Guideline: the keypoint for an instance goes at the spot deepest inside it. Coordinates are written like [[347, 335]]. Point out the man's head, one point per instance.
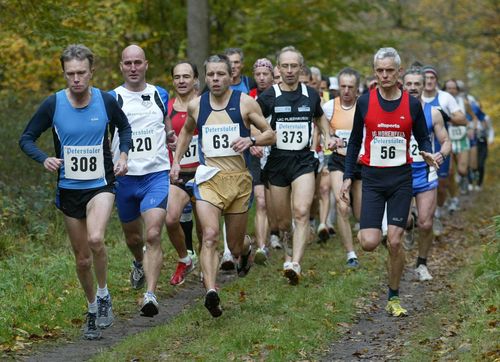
[[218, 74], [431, 78], [315, 78], [305, 75], [413, 82], [290, 62], [77, 61], [235, 56], [277, 75], [133, 66], [185, 76], [324, 84], [263, 73], [387, 67], [348, 80], [452, 87]]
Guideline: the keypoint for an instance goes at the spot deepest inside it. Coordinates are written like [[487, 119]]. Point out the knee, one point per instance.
[[83, 262], [134, 239], [153, 235], [261, 203], [301, 213], [425, 224], [394, 243], [368, 242], [210, 237], [96, 242], [171, 220]]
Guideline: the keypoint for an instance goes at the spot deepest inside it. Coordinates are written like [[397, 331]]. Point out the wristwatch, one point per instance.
[[252, 138]]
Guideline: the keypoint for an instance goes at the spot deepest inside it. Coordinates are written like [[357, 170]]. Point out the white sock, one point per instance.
[[92, 306], [102, 292], [211, 290], [226, 247], [185, 260], [351, 254]]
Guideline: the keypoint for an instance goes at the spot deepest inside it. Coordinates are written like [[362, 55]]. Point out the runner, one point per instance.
[[141, 195], [340, 112], [295, 109], [179, 218], [223, 184], [79, 116], [425, 179], [387, 117], [239, 81]]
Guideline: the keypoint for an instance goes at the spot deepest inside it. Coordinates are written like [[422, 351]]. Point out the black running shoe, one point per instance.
[[90, 330], [212, 303], [243, 267]]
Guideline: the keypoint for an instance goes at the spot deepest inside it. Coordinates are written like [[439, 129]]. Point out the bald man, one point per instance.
[[141, 195]]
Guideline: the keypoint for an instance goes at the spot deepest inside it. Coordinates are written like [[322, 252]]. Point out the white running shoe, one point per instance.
[[437, 227], [292, 272], [227, 262], [422, 273], [274, 240]]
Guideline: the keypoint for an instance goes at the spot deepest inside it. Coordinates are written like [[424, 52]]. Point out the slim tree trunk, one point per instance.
[[198, 34]]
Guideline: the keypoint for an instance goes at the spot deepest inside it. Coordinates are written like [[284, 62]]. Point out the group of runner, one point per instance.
[[274, 137]]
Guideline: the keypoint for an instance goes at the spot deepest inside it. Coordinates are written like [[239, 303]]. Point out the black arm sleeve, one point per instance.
[[356, 137], [266, 101], [119, 120], [419, 129], [39, 123]]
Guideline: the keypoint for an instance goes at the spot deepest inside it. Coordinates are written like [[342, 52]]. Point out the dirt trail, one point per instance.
[[375, 336]]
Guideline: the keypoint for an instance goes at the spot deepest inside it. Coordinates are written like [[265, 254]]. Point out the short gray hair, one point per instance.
[[218, 58], [76, 51], [414, 71], [383, 53], [231, 51], [290, 48]]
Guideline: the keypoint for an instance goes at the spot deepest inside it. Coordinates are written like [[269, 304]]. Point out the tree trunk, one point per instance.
[[198, 35]]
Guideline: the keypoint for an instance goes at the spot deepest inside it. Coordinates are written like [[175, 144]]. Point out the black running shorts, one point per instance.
[[282, 167], [73, 203]]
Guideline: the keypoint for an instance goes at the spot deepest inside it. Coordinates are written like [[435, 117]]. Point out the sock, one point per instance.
[[393, 293], [102, 292], [421, 261], [185, 260], [92, 306], [351, 255], [211, 290], [187, 227]]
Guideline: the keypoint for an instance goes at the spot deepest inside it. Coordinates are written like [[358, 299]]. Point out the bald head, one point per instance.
[[133, 66]]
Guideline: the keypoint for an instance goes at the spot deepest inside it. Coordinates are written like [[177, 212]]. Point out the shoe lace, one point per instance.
[[102, 306], [137, 273], [91, 317]]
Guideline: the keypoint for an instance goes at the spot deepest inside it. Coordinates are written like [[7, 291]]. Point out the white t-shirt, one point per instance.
[[446, 101]]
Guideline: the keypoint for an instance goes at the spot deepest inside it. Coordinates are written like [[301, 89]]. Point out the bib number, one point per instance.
[[343, 134], [292, 136], [432, 176], [217, 140], [191, 155], [388, 151], [414, 151], [457, 132], [143, 145], [83, 162]]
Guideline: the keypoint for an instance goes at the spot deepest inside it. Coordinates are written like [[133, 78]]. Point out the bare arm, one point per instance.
[[440, 132], [324, 127]]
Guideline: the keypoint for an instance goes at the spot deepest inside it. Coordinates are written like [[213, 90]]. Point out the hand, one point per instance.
[[332, 143], [174, 172], [121, 167], [171, 140], [432, 158], [241, 144], [52, 164], [345, 191], [257, 151]]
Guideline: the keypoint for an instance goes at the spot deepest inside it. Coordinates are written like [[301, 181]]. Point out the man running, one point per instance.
[[340, 112], [179, 216], [387, 117], [79, 116], [141, 195], [223, 184], [238, 80], [294, 109], [425, 179]]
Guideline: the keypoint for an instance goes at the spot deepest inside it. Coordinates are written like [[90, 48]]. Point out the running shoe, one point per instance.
[[149, 305], [356, 227], [244, 265], [331, 229], [323, 233], [437, 227], [274, 240], [137, 278], [105, 315], [453, 205], [212, 303], [394, 308], [90, 330], [261, 256], [227, 262], [352, 263], [194, 257], [292, 272], [181, 271], [422, 273]]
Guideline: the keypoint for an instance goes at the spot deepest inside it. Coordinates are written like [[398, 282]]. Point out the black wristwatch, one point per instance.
[[252, 138]]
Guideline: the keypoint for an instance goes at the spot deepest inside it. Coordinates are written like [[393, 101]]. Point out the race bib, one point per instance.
[[217, 139], [432, 176], [143, 144], [292, 136], [343, 134], [457, 132], [414, 151], [191, 155], [83, 162], [388, 151]]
